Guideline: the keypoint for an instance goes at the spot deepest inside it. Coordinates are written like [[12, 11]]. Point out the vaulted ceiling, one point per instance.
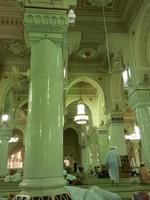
[[91, 54]]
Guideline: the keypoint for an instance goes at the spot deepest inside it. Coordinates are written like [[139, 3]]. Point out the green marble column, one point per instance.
[[103, 144], [140, 100], [5, 134], [116, 132], [43, 167]]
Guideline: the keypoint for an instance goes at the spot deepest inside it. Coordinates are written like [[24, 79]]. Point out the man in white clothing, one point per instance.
[[113, 163]]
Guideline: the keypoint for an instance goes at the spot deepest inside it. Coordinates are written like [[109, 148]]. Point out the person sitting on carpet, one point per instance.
[[140, 196], [144, 174]]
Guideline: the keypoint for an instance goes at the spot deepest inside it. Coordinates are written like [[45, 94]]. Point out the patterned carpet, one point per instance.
[[125, 189]]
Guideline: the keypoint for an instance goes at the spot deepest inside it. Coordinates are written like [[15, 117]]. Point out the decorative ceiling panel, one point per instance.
[[112, 9]]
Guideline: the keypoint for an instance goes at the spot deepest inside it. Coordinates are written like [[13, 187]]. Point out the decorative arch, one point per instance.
[[90, 81], [72, 126], [94, 120], [143, 38], [71, 144]]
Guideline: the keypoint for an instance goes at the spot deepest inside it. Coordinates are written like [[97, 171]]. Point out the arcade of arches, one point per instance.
[[47, 65]]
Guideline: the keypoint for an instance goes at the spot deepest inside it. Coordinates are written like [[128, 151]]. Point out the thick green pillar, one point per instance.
[[116, 132], [140, 100], [5, 134], [43, 168]]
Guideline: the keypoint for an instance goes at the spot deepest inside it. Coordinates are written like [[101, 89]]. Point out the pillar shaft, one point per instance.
[[103, 145], [86, 158], [139, 99], [94, 155], [116, 133], [5, 133], [135, 144]]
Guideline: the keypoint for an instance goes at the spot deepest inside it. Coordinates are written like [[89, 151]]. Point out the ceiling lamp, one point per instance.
[[5, 118], [81, 117], [71, 16]]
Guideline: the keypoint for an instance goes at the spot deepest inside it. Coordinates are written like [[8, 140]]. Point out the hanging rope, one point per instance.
[[106, 38]]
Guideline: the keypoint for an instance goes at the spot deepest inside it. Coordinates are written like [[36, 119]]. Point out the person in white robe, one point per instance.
[[113, 163]]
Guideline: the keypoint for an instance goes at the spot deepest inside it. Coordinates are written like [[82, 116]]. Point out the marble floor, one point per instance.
[[125, 189]]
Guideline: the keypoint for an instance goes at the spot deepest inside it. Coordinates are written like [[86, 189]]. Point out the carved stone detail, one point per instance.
[[98, 3], [15, 48], [39, 22], [112, 27], [115, 118]]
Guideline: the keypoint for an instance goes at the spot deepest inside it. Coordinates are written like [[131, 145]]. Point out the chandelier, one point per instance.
[[81, 117]]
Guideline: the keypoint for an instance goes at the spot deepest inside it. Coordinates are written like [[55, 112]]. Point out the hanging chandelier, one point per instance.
[[81, 117]]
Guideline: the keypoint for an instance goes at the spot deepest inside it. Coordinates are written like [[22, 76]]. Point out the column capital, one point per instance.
[[45, 24], [139, 97], [114, 118], [102, 130]]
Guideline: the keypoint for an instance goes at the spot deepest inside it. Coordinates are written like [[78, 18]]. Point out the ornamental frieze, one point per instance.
[[45, 28], [48, 22], [14, 49]]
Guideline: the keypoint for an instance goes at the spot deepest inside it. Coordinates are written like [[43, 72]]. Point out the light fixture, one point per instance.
[[5, 118], [71, 16], [81, 117]]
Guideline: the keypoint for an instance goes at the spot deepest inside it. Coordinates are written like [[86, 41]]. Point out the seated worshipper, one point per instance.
[[80, 176], [71, 179], [140, 196], [144, 174], [7, 178], [113, 163], [16, 177], [65, 173], [93, 193]]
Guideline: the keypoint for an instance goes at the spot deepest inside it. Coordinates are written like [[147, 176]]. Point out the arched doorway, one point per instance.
[[71, 145]]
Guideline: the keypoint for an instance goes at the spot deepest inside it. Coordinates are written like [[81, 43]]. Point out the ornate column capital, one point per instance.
[[102, 130], [45, 24], [139, 97], [114, 118]]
